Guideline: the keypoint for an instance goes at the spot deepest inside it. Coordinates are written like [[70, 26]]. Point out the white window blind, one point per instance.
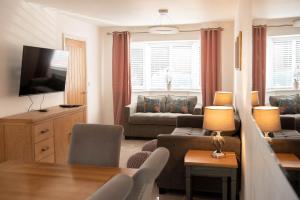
[[178, 59], [283, 56], [137, 71]]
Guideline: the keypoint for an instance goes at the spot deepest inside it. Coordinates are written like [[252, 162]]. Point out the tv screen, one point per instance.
[[43, 71]]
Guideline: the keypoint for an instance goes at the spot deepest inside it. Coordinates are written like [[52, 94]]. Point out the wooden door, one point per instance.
[[2, 155], [76, 78]]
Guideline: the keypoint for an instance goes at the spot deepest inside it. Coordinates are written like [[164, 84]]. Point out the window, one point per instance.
[[153, 63], [283, 61]]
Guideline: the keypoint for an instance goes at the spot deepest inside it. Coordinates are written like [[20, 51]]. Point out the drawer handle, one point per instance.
[[44, 131], [45, 149]]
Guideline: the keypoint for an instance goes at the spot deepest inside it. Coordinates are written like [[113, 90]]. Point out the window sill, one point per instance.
[[167, 91], [283, 90]]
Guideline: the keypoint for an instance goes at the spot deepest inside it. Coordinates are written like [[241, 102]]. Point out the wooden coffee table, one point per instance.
[[201, 163]]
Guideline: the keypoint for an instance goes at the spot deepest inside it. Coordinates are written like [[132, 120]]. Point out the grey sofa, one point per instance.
[[138, 123], [289, 106]]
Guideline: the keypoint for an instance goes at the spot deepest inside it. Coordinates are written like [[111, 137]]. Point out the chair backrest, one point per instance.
[[95, 144], [116, 188], [144, 178]]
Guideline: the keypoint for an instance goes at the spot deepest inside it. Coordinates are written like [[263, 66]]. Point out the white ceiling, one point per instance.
[[145, 12], [269, 9]]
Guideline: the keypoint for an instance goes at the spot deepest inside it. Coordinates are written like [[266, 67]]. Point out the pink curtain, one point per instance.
[[259, 62], [210, 64], [121, 74]]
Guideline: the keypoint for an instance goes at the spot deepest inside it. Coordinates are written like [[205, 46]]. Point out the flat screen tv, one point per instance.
[[43, 71]]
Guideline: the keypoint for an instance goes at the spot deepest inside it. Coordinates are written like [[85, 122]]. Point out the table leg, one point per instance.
[[233, 184], [188, 182], [224, 188]]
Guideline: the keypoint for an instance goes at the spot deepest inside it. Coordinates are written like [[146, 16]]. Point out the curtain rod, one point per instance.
[[275, 26], [180, 31]]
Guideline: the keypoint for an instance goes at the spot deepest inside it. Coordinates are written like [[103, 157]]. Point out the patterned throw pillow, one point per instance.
[[140, 102], [187, 104], [179, 106], [286, 104], [151, 104], [192, 102]]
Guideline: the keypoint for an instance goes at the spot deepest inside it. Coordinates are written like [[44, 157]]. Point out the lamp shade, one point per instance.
[[254, 98], [222, 98], [219, 118], [267, 118]]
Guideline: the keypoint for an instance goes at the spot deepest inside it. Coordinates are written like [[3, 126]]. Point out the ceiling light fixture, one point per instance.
[[161, 28]]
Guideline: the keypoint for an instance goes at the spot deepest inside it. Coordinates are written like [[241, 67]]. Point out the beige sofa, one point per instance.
[[138, 123]]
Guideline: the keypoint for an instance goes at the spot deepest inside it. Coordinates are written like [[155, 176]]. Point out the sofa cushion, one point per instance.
[[151, 104], [287, 104], [190, 131], [191, 102], [141, 103], [155, 118]]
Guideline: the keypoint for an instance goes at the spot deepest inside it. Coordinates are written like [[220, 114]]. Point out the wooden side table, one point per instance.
[[291, 163], [201, 163]]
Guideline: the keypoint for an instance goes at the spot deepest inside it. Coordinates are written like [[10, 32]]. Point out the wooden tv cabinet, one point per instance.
[[39, 136]]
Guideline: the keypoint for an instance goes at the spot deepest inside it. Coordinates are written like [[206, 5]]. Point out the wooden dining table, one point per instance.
[[21, 180]]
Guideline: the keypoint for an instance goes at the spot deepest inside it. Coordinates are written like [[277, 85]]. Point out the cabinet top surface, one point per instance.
[[35, 116], [205, 159]]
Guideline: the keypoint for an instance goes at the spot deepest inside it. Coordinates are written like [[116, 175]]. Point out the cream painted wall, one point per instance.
[[261, 176], [25, 23], [106, 41]]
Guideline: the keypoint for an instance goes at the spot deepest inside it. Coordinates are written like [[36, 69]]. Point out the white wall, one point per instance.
[[106, 68], [261, 176], [25, 23]]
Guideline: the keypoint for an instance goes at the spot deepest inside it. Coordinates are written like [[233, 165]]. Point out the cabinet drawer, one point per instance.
[[42, 131], [43, 149], [48, 159]]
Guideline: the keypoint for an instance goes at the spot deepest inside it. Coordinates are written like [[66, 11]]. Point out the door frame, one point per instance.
[[81, 39]]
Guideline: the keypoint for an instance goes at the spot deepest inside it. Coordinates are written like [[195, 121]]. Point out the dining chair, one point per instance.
[[96, 144], [144, 178], [116, 188]]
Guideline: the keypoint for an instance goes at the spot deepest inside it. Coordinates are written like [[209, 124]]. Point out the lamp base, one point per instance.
[[217, 154], [267, 136]]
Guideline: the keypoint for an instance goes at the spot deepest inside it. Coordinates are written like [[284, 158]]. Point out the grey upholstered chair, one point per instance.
[[116, 188], [95, 144], [144, 178]]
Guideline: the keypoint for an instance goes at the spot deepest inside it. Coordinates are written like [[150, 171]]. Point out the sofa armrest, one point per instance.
[[197, 110], [194, 121], [128, 111]]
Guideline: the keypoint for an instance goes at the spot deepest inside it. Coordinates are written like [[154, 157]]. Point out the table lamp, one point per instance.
[[222, 98], [267, 119], [218, 119], [254, 98]]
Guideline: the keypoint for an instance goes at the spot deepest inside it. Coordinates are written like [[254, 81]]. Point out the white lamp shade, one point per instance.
[[219, 118], [267, 118], [254, 98], [222, 98]]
